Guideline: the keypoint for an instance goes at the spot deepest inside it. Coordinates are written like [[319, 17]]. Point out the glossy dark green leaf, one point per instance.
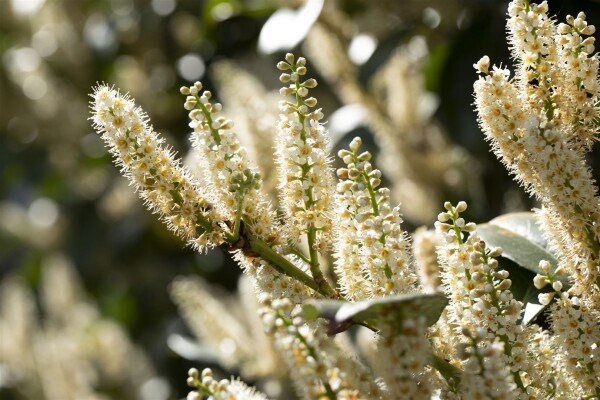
[[523, 247], [520, 249], [523, 223], [372, 313]]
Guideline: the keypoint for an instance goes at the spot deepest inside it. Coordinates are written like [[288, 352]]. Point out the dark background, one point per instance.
[[124, 255]]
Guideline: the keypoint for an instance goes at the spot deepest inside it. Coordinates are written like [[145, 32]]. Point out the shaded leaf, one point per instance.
[[372, 313], [523, 251], [523, 223], [523, 247]]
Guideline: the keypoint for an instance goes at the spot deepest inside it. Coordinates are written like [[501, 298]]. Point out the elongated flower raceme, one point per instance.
[[306, 182], [540, 124], [317, 363], [233, 181], [486, 376], [479, 294], [225, 389], [306, 177], [167, 188], [372, 251]]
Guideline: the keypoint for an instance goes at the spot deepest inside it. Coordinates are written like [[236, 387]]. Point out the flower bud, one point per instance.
[[443, 217], [355, 144], [283, 66], [310, 83], [302, 91], [544, 265], [311, 102], [540, 281]]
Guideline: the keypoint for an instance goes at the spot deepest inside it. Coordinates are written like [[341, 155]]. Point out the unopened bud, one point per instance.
[[289, 57], [283, 66]]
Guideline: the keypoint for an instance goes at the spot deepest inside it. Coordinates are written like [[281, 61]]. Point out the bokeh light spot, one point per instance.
[[34, 87], [222, 11], [431, 17], [44, 42], [163, 7], [26, 7], [24, 59], [43, 212], [98, 33], [191, 67], [361, 48]]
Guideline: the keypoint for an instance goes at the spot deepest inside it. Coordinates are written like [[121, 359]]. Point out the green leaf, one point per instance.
[[520, 240], [523, 223], [523, 247], [372, 313]]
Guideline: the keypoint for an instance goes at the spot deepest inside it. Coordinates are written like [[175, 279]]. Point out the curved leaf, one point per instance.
[[523, 223], [520, 249], [372, 313], [523, 247]]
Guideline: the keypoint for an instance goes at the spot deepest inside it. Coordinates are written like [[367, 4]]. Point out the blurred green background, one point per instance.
[[62, 199]]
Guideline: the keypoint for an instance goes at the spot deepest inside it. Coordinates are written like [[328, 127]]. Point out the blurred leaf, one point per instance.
[[436, 62], [371, 313], [286, 28], [191, 350]]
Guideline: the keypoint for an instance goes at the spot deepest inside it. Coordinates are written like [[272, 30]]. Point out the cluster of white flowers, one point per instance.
[[306, 177], [167, 188], [403, 351], [372, 251], [485, 376], [316, 362], [225, 389], [540, 124], [479, 292], [234, 183], [576, 335]]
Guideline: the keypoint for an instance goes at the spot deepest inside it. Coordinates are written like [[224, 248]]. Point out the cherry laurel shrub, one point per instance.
[[463, 337]]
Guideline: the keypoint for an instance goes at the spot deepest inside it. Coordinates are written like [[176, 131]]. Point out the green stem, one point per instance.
[[238, 218], [204, 222], [209, 121], [315, 270], [371, 193], [283, 265], [450, 373], [293, 250], [311, 233]]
